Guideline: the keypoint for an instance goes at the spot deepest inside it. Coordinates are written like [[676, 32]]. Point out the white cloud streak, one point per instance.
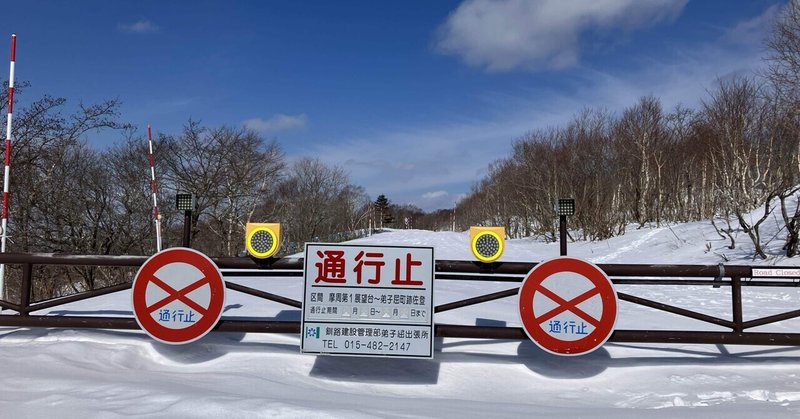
[[752, 31], [502, 35], [140, 26], [277, 122], [438, 199], [434, 194]]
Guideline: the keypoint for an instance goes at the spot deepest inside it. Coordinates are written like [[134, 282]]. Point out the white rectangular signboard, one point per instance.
[[776, 272], [368, 301]]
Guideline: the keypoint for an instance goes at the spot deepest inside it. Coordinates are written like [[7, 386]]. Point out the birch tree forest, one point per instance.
[[737, 152]]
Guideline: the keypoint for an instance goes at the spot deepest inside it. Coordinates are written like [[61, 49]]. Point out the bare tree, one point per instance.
[[783, 56], [317, 201], [229, 171], [640, 135], [743, 159]]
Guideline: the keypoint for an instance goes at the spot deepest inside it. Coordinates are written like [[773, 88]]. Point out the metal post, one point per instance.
[[564, 207], [27, 286], [187, 228], [186, 202], [736, 296]]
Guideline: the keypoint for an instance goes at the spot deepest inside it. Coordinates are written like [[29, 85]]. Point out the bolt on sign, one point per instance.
[[368, 301], [567, 306]]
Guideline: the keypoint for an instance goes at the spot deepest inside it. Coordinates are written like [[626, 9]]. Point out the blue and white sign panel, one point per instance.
[[368, 301]]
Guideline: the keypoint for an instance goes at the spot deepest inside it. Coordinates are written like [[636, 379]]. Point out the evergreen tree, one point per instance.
[[382, 210]]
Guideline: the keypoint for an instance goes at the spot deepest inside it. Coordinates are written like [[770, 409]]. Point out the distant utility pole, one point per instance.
[[371, 216]]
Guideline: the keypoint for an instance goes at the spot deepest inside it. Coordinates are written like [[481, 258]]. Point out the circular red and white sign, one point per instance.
[[178, 295], [568, 306]]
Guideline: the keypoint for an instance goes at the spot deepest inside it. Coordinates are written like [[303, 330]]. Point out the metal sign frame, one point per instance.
[[368, 301]]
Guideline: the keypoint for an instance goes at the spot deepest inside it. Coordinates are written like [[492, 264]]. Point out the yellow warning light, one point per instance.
[[262, 239], [487, 243]]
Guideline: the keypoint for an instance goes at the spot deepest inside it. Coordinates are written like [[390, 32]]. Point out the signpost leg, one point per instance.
[[187, 228], [562, 229]]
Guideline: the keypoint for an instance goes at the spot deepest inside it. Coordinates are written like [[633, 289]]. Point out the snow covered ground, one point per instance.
[[109, 374]]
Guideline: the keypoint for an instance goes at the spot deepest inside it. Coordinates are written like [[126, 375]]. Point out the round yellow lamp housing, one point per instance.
[[262, 239], [487, 243]]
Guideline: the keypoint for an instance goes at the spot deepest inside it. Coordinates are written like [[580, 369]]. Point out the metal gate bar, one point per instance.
[[442, 330], [263, 294], [675, 310], [445, 270], [476, 300]]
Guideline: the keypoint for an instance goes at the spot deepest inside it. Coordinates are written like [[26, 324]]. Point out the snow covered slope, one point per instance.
[[110, 374]]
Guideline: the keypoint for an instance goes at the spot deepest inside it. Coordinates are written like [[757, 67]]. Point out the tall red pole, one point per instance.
[[153, 187], [7, 173]]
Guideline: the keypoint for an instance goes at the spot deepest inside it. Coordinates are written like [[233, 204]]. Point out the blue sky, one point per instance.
[[413, 98]]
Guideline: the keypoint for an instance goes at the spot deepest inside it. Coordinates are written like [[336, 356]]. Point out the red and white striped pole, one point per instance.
[[153, 187], [7, 173]]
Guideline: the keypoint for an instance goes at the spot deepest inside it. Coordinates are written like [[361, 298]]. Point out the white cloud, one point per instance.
[[434, 194], [752, 31], [501, 35], [407, 164], [438, 199], [140, 26], [277, 122]]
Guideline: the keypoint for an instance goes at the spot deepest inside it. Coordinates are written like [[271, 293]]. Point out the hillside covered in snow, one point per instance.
[[111, 374]]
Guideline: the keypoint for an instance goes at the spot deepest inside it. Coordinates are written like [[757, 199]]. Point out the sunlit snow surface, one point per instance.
[[106, 373]]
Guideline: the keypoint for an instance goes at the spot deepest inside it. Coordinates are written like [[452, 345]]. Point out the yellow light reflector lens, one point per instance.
[[262, 240], [487, 243]]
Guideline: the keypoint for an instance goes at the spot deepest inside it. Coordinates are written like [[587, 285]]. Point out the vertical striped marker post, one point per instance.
[[153, 187], [7, 173]]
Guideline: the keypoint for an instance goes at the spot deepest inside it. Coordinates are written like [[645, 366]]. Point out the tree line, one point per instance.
[[68, 197], [737, 152]]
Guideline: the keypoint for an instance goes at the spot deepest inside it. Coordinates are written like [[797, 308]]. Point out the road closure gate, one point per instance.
[[20, 313]]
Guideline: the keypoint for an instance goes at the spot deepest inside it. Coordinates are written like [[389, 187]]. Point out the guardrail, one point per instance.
[[717, 276]]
